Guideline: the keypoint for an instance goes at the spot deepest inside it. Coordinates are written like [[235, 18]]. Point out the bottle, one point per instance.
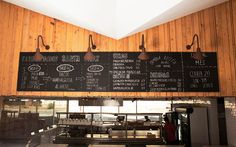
[[110, 132], [134, 133]]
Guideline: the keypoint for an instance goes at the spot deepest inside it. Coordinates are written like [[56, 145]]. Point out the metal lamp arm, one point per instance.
[[142, 47], [41, 37], [195, 36], [90, 36], [91, 41]]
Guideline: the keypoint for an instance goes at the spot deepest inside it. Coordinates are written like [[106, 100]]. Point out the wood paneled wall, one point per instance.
[[216, 27]]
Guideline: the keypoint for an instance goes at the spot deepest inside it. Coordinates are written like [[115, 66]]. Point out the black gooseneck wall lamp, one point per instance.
[[198, 54], [89, 55], [38, 56], [143, 55]]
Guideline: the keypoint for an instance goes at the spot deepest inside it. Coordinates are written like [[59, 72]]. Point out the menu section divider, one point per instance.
[[118, 72]]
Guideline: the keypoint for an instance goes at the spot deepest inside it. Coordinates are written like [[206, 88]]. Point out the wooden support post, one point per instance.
[[1, 102]]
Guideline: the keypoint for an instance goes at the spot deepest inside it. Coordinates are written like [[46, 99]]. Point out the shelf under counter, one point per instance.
[[115, 127], [120, 131], [82, 140], [115, 114]]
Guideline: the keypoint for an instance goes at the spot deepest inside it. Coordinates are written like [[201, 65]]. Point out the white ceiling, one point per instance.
[[116, 18]]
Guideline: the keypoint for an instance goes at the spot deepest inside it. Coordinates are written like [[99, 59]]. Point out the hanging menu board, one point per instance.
[[118, 72]]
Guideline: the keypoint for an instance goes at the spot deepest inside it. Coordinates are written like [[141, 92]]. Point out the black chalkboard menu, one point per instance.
[[118, 72]]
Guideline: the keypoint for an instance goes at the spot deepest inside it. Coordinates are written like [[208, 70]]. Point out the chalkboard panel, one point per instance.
[[200, 75], [165, 72], [118, 72]]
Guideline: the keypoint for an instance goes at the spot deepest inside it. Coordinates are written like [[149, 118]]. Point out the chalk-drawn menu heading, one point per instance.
[[118, 72]]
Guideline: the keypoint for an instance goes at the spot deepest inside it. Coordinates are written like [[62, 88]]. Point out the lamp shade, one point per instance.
[[89, 56], [143, 56], [38, 56], [198, 55]]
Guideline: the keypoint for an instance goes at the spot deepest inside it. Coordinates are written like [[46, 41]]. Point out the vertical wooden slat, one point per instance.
[[155, 39], [161, 38], [233, 15], [173, 43], [35, 29], [25, 32], [179, 37], [231, 43], [223, 49], [110, 47], [205, 31], [161, 44], [131, 40], [181, 27], [149, 40], [10, 51], [60, 41], [18, 25], [179, 43], [187, 30], [119, 44], [70, 37], [48, 32], [81, 40], [95, 41], [211, 35], [125, 42], [5, 8], [1, 42], [60, 36], [173, 38], [198, 29], [139, 41], [72, 45], [167, 47], [24, 36], [86, 34], [101, 43], [167, 37]]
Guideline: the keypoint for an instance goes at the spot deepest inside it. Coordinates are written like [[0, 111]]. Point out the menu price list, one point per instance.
[[128, 73], [202, 75], [118, 72], [165, 72]]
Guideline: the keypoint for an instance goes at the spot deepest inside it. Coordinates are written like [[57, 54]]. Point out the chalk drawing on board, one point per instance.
[[65, 68], [95, 68], [34, 68]]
